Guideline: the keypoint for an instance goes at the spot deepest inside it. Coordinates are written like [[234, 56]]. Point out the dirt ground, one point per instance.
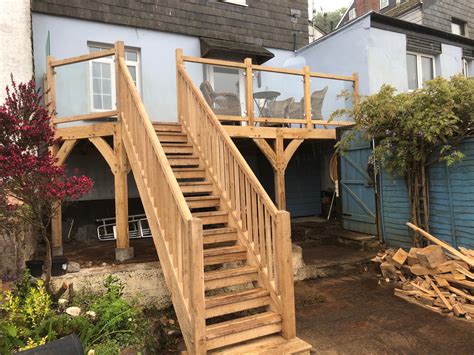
[[353, 314]]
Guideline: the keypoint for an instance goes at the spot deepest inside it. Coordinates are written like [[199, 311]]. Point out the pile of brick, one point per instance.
[[438, 280]]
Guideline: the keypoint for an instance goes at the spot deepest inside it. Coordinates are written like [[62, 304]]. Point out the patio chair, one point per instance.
[[317, 100], [278, 109], [222, 103]]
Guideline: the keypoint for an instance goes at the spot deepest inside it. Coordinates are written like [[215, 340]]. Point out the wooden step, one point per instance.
[[177, 148], [189, 187], [242, 329], [222, 255], [183, 160], [212, 217], [220, 235], [167, 126], [230, 277], [270, 344], [189, 173], [227, 303], [172, 137], [203, 201]]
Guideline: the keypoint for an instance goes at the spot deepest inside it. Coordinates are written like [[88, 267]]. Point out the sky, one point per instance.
[[329, 5]]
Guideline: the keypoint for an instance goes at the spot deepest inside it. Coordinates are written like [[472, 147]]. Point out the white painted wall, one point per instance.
[[15, 40], [450, 61]]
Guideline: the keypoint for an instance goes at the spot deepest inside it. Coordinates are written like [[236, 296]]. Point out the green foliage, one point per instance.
[[412, 128], [29, 319], [323, 20]]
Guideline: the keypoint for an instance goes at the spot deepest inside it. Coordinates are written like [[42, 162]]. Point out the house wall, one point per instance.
[[69, 37], [16, 55], [450, 61]]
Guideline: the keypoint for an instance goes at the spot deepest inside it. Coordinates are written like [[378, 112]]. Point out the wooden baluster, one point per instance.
[[261, 232], [248, 205], [268, 244], [254, 221], [284, 273], [307, 97]]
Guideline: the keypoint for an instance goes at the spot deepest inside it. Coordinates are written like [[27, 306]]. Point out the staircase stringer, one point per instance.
[[252, 257], [161, 245]]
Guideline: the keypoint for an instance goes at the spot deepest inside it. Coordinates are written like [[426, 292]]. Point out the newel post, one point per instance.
[[249, 90], [356, 88], [179, 98], [197, 307], [284, 274], [307, 96], [123, 250]]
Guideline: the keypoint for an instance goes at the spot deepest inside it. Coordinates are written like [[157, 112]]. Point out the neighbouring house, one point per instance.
[[386, 50], [314, 32], [450, 16]]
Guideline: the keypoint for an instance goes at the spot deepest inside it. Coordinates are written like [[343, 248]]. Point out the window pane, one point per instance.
[[133, 72], [96, 70], [97, 102], [426, 68], [96, 89], [94, 49], [107, 102], [131, 56], [106, 70], [106, 86], [412, 72]]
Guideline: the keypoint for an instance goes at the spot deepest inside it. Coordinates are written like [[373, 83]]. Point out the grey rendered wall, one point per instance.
[[69, 37], [450, 61]]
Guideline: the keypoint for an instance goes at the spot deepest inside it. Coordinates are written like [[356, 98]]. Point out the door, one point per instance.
[[357, 187]]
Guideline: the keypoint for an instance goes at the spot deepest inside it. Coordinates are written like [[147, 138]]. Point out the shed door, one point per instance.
[[357, 188]]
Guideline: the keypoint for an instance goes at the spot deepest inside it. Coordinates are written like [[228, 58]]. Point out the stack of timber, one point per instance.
[[438, 276]]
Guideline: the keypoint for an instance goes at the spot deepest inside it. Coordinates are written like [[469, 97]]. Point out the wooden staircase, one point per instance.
[[237, 308], [224, 247]]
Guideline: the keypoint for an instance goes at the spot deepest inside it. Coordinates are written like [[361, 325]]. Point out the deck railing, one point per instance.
[[265, 229], [306, 120]]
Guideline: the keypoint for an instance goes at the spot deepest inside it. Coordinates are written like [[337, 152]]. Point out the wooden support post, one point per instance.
[[123, 250], [249, 90], [50, 97], [280, 193], [284, 274], [307, 97], [355, 86]]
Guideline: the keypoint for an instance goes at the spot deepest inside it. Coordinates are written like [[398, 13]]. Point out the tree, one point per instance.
[[327, 21], [31, 185], [416, 129]]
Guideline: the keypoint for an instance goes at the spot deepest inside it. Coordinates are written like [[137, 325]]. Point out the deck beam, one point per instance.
[[273, 132]]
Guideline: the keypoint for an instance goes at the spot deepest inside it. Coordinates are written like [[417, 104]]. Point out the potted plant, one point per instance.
[[32, 186]]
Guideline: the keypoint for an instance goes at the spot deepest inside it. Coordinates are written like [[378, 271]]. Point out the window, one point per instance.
[[383, 3], [236, 2], [352, 14], [102, 77], [467, 67], [420, 68], [224, 79], [458, 27]]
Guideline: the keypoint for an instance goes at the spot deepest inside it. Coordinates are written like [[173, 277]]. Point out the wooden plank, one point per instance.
[[271, 132], [332, 76], [249, 90], [441, 296], [121, 190], [278, 70], [222, 63], [455, 252], [86, 117], [64, 151], [86, 131], [83, 58], [280, 193]]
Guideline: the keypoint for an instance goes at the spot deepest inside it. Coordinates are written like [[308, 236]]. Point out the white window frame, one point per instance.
[[236, 2], [465, 67], [111, 60], [384, 3], [419, 67], [352, 14]]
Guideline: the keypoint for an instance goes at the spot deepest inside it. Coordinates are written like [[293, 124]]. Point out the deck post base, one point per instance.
[[122, 254], [57, 251]]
